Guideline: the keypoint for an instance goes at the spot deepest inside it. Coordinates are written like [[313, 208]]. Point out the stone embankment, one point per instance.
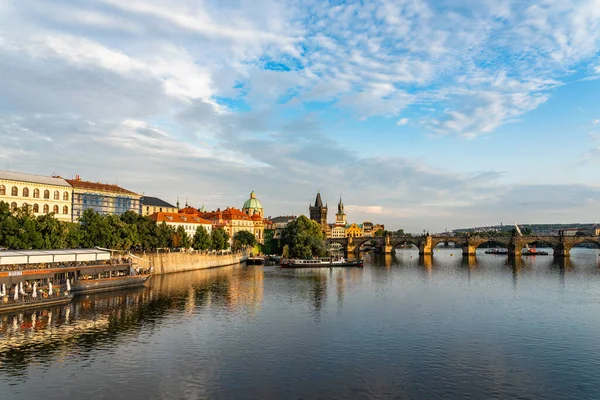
[[166, 263]]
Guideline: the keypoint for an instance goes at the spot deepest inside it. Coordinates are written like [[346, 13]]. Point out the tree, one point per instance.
[[180, 238], [201, 239], [219, 239], [304, 238], [243, 239], [379, 232]]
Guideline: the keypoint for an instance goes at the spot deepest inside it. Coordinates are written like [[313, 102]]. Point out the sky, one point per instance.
[[423, 115]]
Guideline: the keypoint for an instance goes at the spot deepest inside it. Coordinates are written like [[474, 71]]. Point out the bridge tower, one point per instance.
[[318, 213]]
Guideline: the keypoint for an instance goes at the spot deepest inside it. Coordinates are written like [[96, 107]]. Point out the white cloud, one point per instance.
[[402, 121], [596, 121]]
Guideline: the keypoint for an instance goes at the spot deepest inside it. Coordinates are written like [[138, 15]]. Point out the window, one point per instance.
[[46, 209], [13, 206], [36, 208], [56, 195], [55, 209], [14, 191], [65, 210], [66, 196], [2, 190], [46, 194], [36, 193], [148, 210], [25, 192], [161, 209]]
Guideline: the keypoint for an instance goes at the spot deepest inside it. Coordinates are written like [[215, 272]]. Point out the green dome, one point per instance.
[[252, 203]]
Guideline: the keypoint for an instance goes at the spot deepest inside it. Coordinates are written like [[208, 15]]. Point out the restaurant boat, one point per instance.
[[35, 278], [321, 263]]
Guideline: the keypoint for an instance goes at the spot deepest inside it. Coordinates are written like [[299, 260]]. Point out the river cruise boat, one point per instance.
[[534, 252], [320, 263], [36, 278]]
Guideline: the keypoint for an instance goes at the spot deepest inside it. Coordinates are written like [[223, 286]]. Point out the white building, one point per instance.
[[189, 222], [42, 194]]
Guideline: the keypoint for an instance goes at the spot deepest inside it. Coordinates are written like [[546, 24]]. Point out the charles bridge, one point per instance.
[[560, 244]]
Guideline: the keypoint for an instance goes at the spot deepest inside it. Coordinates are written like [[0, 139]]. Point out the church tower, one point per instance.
[[340, 216], [318, 213]]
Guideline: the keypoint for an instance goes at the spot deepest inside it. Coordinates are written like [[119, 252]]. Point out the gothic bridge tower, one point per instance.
[[318, 213]]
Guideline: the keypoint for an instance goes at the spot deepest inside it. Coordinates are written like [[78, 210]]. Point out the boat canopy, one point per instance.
[[13, 257]]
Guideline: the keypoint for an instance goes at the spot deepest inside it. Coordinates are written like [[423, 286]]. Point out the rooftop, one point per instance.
[[42, 179], [103, 187], [155, 202], [178, 218]]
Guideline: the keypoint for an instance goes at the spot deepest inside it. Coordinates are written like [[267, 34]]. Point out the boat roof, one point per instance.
[[16, 257]]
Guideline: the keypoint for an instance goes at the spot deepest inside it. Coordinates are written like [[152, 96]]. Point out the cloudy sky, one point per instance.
[[431, 115]]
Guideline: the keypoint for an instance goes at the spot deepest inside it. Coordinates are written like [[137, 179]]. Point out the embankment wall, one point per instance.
[[166, 263]]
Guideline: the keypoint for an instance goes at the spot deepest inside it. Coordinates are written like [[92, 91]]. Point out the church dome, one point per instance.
[[252, 203]]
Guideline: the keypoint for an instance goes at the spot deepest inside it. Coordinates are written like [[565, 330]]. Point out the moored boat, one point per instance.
[[35, 278], [534, 252], [497, 251], [255, 260], [320, 263]]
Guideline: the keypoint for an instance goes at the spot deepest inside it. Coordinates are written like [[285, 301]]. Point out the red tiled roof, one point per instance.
[[178, 218], [229, 213], [106, 187]]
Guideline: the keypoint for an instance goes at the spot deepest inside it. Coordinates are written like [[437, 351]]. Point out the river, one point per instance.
[[402, 327]]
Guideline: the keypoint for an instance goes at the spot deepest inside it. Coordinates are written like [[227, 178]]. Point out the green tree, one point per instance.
[[243, 239], [96, 230], [379, 232], [201, 239], [219, 239], [304, 238], [400, 232]]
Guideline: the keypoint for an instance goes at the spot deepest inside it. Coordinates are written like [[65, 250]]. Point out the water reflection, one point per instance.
[[418, 327]]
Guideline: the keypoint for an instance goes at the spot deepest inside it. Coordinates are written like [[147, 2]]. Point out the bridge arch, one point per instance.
[[398, 243], [371, 241], [494, 243], [576, 243], [536, 242]]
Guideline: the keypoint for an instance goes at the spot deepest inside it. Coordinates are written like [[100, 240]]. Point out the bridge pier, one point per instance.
[[426, 247], [562, 251]]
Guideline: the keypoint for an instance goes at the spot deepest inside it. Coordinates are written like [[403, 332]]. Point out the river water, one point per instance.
[[402, 327]]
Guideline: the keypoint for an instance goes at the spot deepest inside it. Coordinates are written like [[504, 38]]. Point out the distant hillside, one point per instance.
[[538, 229]]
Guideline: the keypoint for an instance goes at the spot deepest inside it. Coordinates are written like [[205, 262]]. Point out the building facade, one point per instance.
[[318, 213], [354, 230], [104, 198], [233, 220], [151, 205], [41, 194], [189, 222]]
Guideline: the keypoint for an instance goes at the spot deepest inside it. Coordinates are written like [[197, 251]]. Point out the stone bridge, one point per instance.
[[560, 244]]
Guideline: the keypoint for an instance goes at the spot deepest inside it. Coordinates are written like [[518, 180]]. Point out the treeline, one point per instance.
[[20, 229]]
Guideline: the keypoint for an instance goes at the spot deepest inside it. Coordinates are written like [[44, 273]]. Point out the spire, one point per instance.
[[318, 201], [340, 205], [186, 201], [178, 202]]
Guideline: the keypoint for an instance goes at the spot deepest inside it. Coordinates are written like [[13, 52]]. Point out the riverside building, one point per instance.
[[151, 205], [190, 222], [103, 198], [41, 194]]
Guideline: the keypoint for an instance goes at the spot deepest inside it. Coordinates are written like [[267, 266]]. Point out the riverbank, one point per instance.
[[167, 263]]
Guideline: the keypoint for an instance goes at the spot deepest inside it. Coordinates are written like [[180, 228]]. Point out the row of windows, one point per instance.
[[46, 208], [14, 191]]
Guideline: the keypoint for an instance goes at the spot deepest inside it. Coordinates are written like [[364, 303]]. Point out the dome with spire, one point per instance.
[[253, 206]]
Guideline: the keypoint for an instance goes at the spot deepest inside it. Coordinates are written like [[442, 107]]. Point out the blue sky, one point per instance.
[[423, 114]]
